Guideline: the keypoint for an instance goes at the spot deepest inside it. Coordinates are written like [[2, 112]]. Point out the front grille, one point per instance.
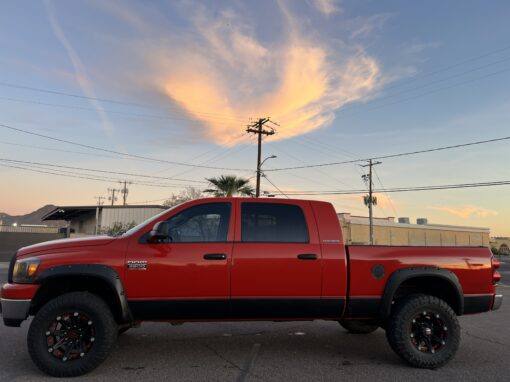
[[11, 268]]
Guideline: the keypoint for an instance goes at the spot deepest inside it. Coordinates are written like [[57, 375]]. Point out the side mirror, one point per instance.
[[159, 233]]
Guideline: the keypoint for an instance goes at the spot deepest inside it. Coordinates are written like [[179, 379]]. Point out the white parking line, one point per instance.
[[4, 265]]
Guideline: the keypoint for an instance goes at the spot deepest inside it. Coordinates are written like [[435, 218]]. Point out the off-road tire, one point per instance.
[[400, 328], [358, 326], [105, 329]]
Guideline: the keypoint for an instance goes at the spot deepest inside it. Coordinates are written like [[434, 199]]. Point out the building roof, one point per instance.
[[390, 222], [72, 212]]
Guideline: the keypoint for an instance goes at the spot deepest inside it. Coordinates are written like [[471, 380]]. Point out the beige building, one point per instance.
[[356, 230], [502, 244]]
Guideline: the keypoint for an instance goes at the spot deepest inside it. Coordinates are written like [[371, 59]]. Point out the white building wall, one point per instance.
[[110, 216], [85, 225]]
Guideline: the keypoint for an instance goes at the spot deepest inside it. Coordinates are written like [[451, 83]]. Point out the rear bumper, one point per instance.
[[14, 311], [498, 300]]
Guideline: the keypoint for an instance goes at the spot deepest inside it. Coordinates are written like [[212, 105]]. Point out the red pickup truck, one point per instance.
[[241, 259]]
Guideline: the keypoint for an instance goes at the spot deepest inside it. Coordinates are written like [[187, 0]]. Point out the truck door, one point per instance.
[[187, 277], [276, 262]]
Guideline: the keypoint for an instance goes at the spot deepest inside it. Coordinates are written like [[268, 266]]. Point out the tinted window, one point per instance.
[[206, 222], [268, 222]]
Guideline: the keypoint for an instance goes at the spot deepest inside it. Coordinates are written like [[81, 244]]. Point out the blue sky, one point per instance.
[[343, 79]]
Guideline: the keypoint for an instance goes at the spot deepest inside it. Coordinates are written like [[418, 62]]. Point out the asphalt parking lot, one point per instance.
[[265, 351]]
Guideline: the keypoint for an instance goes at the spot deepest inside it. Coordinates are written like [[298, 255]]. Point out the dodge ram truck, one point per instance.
[[221, 259]]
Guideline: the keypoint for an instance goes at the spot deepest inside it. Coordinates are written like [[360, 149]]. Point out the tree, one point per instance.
[[230, 185], [186, 195], [117, 228]]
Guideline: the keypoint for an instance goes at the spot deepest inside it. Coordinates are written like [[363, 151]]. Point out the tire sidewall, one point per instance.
[[105, 334], [400, 329]]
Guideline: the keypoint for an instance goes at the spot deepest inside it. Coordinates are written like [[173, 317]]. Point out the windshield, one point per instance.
[[147, 222]]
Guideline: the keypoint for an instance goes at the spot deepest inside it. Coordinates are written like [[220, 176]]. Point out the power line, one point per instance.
[[59, 150], [118, 152], [404, 189], [129, 114], [68, 174], [389, 199], [440, 80], [446, 68], [108, 100], [329, 176], [393, 155], [272, 184], [101, 171]]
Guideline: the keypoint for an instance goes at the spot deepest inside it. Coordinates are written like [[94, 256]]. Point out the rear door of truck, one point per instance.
[[276, 261]]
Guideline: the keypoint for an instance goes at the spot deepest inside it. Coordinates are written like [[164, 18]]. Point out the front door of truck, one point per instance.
[[276, 263], [186, 277]]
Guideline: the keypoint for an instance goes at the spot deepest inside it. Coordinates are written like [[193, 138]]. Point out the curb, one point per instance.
[[4, 265]]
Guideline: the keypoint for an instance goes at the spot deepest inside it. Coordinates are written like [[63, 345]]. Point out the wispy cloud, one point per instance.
[[466, 212], [327, 7], [79, 68], [220, 72]]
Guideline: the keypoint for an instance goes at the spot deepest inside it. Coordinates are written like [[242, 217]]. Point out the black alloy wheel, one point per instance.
[[71, 334], [424, 331]]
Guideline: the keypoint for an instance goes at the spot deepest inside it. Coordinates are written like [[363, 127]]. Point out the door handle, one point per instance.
[[215, 256], [307, 256]]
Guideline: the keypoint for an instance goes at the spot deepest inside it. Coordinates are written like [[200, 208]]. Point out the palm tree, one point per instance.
[[229, 185]]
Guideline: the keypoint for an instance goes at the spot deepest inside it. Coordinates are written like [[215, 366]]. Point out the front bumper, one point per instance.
[[15, 302], [498, 300], [14, 311]]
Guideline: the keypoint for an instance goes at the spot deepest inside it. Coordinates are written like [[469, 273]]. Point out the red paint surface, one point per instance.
[[178, 270]]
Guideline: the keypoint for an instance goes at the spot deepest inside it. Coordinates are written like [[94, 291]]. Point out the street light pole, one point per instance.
[[259, 173]]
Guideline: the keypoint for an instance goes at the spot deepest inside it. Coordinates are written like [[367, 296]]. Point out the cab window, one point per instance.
[[273, 222], [202, 223]]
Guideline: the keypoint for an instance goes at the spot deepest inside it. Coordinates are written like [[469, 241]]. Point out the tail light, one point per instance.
[[496, 276]]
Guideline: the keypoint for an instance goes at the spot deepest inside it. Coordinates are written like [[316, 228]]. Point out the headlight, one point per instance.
[[25, 269]]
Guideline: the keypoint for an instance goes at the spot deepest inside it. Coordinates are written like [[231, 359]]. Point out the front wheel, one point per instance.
[[71, 335], [424, 331]]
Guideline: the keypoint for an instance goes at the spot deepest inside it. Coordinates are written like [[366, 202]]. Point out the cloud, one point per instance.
[[220, 72], [363, 27], [416, 47], [79, 68], [466, 212], [327, 7]]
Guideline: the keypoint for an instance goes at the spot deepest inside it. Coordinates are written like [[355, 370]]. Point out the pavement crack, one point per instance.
[[248, 365], [485, 339], [222, 357]]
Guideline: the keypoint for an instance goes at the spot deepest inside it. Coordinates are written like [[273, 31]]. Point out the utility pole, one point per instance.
[[258, 128], [100, 201], [371, 200], [124, 191], [113, 198]]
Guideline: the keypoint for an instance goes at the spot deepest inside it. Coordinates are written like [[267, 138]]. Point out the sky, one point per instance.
[[179, 81]]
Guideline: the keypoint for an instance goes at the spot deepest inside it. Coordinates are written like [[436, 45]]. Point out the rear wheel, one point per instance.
[[424, 331], [71, 335], [358, 326]]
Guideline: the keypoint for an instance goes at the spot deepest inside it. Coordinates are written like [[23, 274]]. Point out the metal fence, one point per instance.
[[28, 229]]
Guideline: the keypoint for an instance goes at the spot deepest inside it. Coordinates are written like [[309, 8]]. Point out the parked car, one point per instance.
[[242, 259]]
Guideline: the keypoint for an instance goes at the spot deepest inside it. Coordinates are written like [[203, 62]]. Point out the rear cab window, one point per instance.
[[273, 222]]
